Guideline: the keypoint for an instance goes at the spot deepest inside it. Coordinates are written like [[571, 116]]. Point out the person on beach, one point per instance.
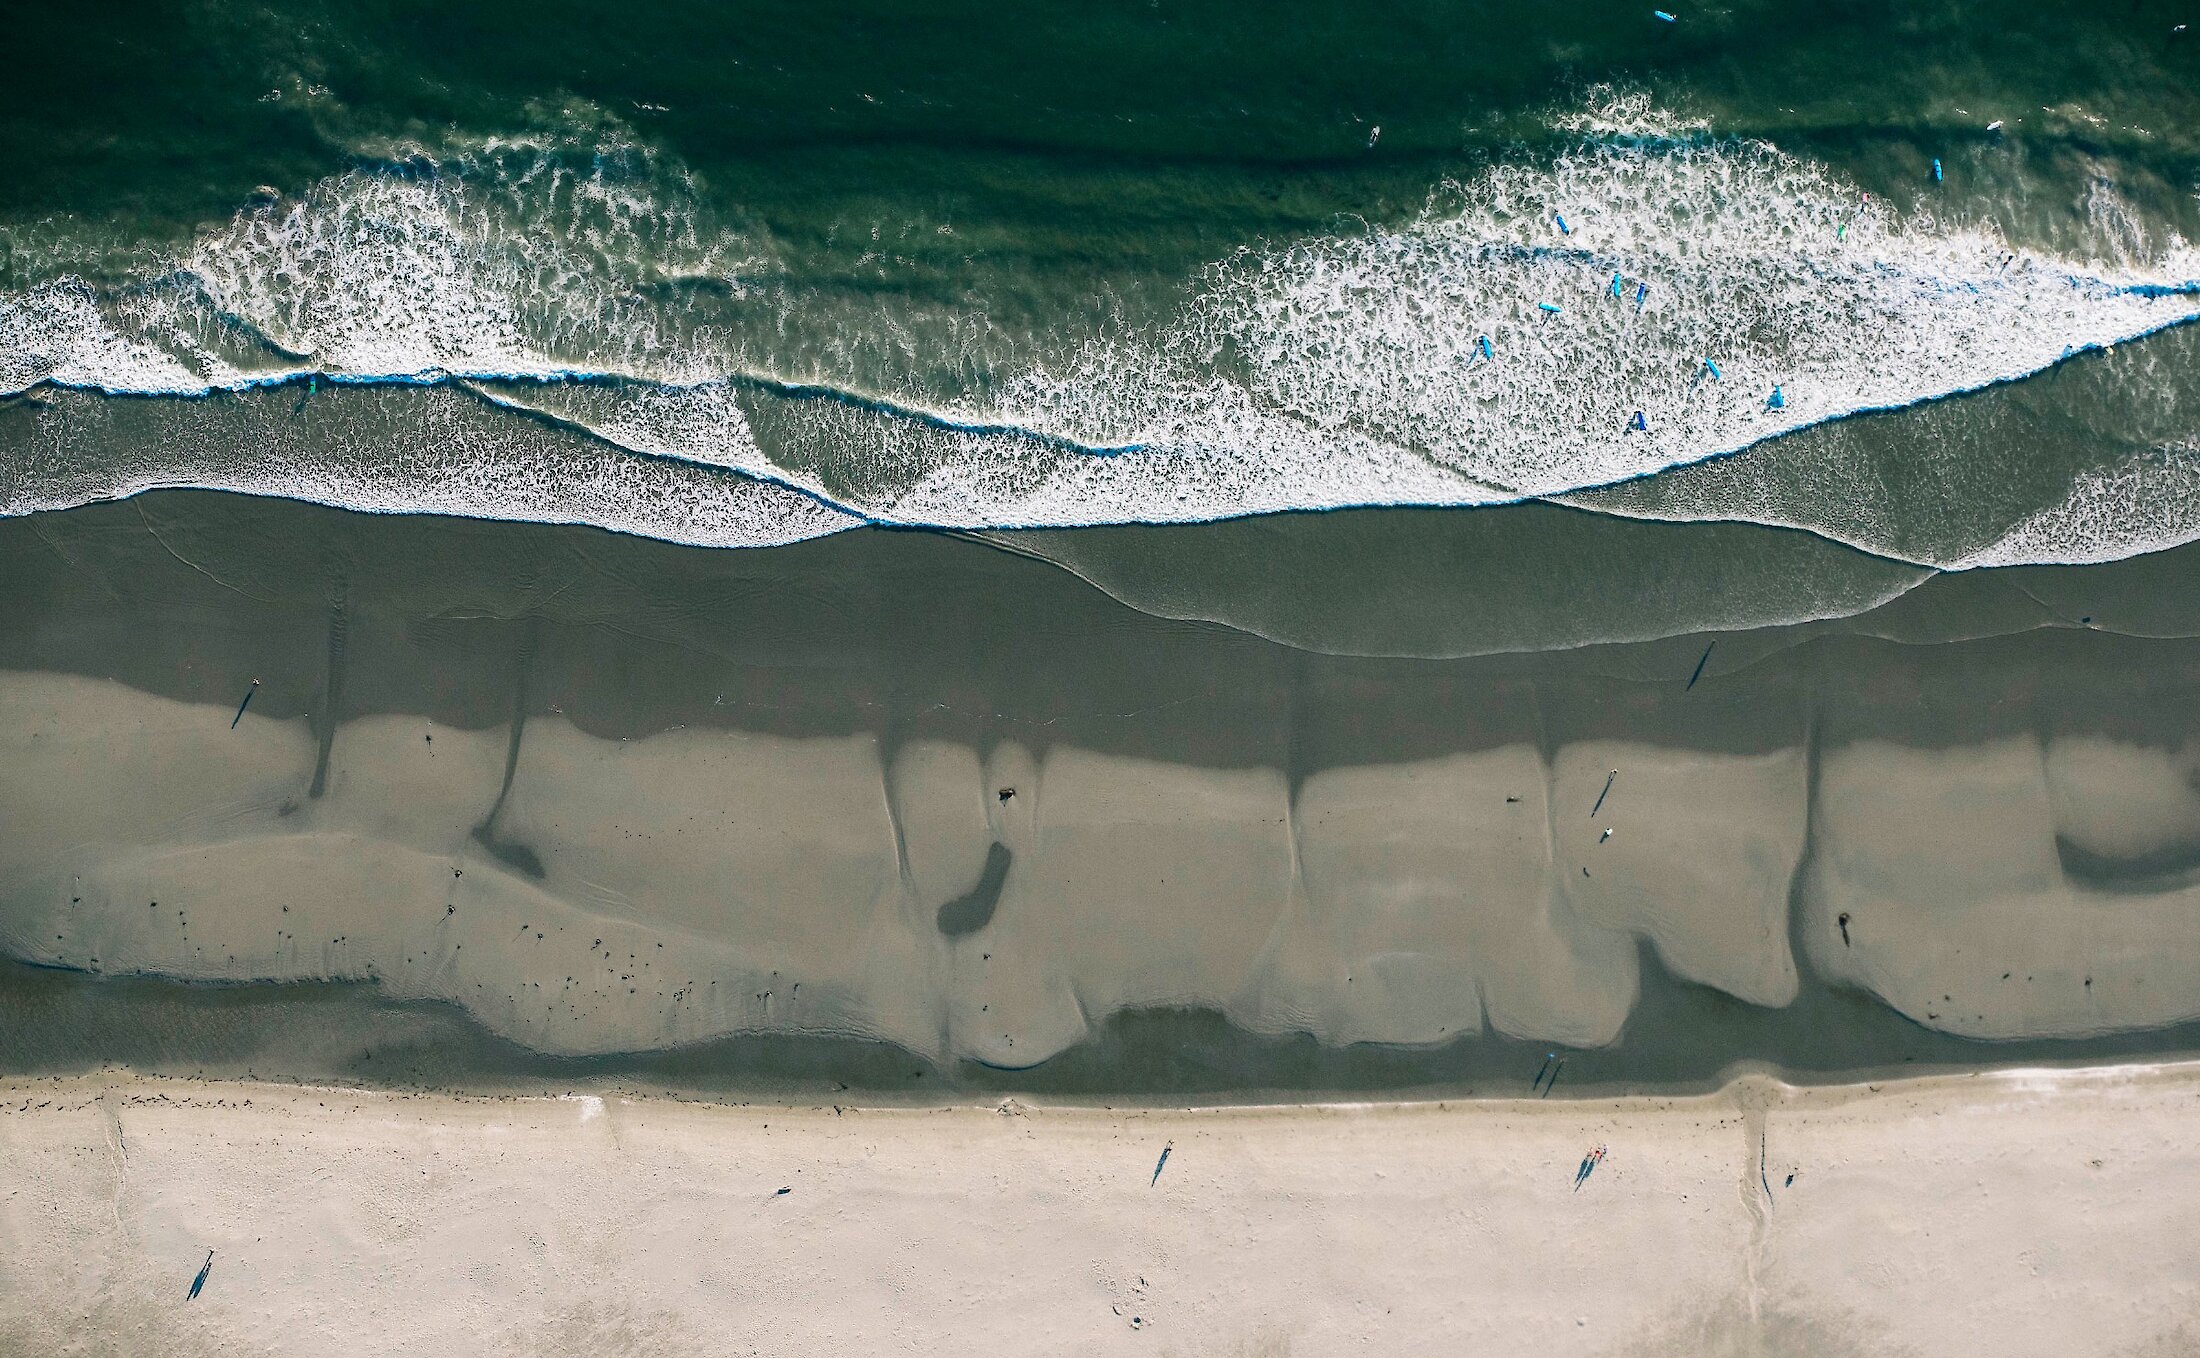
[[1589, 1165]]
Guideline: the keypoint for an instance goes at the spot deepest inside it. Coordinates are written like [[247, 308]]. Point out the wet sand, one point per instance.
[[2018, 1214], [607, 798]]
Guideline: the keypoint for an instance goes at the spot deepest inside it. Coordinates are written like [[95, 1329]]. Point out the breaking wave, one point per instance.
[[1651, 297]]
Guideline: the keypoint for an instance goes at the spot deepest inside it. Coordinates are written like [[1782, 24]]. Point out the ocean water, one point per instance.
[[1787, 308]]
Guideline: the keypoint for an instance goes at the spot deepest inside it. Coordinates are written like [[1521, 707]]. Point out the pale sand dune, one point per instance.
[[1429, 902], [782, 820], [2017, 1216], [1702, 849], [939, 799], [91, 763], [527, 963], [1134, 884], [406, 780], [1960, 913], [2120, 800], [703, 882], [780, 850]]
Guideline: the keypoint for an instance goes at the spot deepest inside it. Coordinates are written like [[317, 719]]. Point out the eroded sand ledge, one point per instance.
[[628, 894], [611, 796], [2020, 1213]]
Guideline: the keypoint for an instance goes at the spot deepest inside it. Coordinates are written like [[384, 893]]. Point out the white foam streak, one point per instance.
[[57, 333], [2148, 504], [511, 264]]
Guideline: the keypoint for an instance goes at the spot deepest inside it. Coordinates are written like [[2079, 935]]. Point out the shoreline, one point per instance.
[[69, 1024]]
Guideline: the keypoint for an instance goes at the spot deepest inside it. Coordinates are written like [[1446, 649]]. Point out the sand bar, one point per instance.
[[605, 797]]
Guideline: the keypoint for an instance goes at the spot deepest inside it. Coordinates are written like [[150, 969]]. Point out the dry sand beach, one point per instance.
[[2033, 1214]]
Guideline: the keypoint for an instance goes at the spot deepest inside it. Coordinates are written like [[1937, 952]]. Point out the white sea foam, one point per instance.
[[513, 263], [2147, 504], [1344, 369], [58, 332], [510, 261], [1360, 365]]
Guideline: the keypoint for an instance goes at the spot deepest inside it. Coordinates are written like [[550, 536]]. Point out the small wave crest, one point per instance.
[[517, 260], [2148, 503]]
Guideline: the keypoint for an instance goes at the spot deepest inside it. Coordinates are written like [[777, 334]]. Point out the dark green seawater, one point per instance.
[[742, 275], [1102, 123]]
